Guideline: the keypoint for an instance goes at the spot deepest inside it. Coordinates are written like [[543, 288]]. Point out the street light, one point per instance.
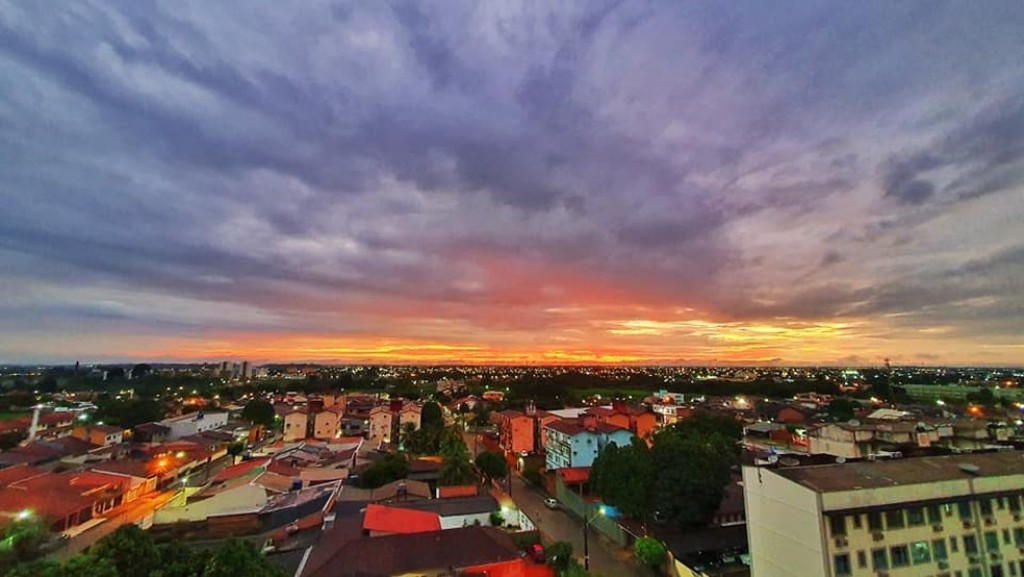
[[586, 542]]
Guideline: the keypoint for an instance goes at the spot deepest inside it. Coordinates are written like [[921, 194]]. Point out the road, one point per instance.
[[607, 559]]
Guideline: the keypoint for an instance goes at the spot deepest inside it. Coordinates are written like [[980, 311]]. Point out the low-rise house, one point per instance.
[[65, 500], [516, 432], [194, 423], [381, 520], [577, 442], [102, 435]]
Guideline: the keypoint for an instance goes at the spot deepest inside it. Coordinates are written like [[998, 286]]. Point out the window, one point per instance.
[[991, 541], [915, 516], [862, 559], [920, 552], [964, 508], [1018, 536], [879, 560], [856, 521], [837, 525], [952, 544], [894, 519], [996, 570], [842, 564], [970, 545], [986, 507], [974, 572], [1013, 569], [1006, 536], [934, 515], [1001, 503], [1014, 503], [900, 556], [875, 521], [939, 550]]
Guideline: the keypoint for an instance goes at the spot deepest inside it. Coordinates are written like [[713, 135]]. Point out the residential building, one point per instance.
[[577, 442], [194, 423], [64, 500], [948, 515], [296, 424], [515, 432], [637, 420], [380, 425], [102, 435], [326, 425]]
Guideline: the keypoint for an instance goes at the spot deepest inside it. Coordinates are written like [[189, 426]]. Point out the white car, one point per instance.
[[550, 503]]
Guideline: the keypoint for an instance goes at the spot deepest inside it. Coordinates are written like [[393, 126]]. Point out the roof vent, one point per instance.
[[969, 468], [853, 423]]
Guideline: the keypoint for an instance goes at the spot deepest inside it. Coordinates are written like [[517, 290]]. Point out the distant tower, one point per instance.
[[246, 370]]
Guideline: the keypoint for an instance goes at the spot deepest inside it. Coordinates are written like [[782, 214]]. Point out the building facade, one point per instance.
[[576, 443], [948, 516]]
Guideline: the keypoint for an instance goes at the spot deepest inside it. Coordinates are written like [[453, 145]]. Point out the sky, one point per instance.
[[662, 182]]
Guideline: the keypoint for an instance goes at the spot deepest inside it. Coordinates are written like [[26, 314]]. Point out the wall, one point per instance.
[[784, 526], [585, 509]]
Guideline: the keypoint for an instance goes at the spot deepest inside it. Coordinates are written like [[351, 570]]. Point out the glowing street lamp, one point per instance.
[[601, 511], [24, 514]]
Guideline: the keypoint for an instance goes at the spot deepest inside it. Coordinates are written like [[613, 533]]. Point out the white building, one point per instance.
[[194, 423], [957, 515]]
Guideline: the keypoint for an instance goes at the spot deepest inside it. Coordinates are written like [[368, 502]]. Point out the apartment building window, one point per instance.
[[1006, 536], [986, 507], [934, 515], [915, 516], [974, 572], [894, 519], [1012, 569], [842, 564], [862, 560], [837, 525], [1018, 536], [991, 541], [856, 521], [970, 545], [1001, 503], [964, 508], [1014, 503], [920, 552], [953, 544], [879, 560], [900, 555], [939, 550], [875, 521], [996, 570]]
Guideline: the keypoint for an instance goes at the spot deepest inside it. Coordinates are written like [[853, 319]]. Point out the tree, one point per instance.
[[235, 449], [559, 555], [431, 415], [451, 442], [622, 476], [130, 412], [456, 470], [691, 477], [840, 409], [390, 467], [259, 412], [236, 558], [649, 551], [87, 565], [178, 560], [492, 464], [22, 541], [131, 550]]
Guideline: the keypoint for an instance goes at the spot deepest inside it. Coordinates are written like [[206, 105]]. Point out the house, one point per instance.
[[296, 424], [326, 424], [516, 432], [151, 433], [194, 423], [639, 421], [457, 512], [65, 500], [102, 435], [577, 442], [385, 421], [381, 520], [465, 551]]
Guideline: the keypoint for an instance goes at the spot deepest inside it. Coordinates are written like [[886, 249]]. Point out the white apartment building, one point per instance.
[[949, 516], [194, 423]]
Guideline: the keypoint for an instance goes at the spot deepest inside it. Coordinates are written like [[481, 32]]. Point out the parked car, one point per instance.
[[536, 552], [551, 503]]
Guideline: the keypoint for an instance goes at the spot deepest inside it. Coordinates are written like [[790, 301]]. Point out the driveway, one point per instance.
[[607, 559]]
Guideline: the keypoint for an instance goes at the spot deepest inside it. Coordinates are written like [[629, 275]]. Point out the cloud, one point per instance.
[[446, 176]]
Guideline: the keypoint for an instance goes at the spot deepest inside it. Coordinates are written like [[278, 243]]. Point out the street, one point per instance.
[[606, 558]]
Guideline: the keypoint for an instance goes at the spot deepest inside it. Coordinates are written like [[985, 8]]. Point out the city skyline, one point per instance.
[[620, 182]]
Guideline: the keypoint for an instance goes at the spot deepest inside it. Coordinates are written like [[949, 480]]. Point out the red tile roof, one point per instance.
[[574, 474], [394, 520]]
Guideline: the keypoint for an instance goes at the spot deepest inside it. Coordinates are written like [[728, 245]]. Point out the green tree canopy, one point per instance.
[[492, 464], [178, 560], [622, 476], [559, 555], [128, 413], [236, 558], [649, 551], [259, 412], [841, 409], [456, 470], [131, 550], [390, 467], [22, 541], [431, 415]]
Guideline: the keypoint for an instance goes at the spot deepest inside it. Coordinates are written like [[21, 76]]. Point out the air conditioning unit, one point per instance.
[[841, 542], [943, 565], [995, 556], [881, 574], [973, 559], [1016, 517], [937, 528], [877, 536], [968, 525], [989, 521]]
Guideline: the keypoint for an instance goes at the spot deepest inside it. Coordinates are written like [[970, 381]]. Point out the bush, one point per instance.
[[649, 551]]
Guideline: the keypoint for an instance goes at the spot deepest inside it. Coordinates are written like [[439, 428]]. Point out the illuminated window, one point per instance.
[[920, 552]]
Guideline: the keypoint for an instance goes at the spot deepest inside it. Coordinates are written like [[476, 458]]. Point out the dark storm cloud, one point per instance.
[[295, 158]]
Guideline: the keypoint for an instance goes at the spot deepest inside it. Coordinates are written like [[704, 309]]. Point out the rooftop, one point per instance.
[[891, 473], [399, 520]]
